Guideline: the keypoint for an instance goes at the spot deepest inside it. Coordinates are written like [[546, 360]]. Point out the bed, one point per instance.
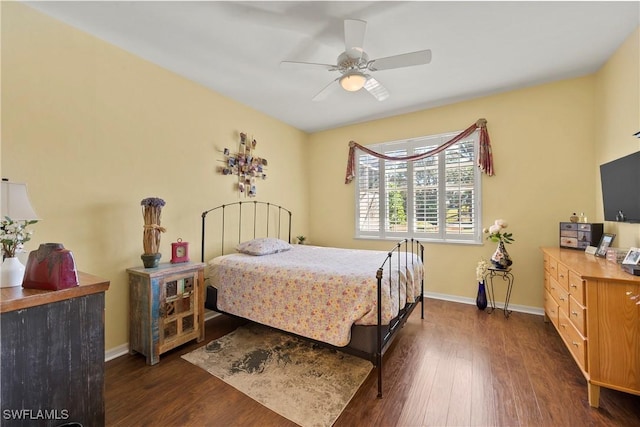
[[327, 295]]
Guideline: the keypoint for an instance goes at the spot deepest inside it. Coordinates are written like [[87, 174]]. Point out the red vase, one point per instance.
[[50, 267]]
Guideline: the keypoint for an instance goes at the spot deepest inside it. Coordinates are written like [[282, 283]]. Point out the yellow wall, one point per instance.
[[93, 130], [543, 174], [618, 118]]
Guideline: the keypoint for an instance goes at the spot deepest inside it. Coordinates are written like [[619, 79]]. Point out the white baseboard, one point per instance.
[[118, 351], [123, 349], [471, 301]]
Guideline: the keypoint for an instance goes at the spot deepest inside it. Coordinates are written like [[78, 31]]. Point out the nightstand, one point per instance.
[[166, 308]]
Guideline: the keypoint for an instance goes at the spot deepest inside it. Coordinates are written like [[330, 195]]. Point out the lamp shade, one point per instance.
[[15, 202], [353, 81]]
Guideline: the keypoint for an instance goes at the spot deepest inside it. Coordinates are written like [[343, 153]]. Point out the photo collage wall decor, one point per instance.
[[245, 165]]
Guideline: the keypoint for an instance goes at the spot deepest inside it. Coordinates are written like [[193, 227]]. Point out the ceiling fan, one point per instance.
[[354, 64]]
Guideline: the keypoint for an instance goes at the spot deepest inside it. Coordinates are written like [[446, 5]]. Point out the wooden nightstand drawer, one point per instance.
[[577, 315], [575, 341], [576, 287]]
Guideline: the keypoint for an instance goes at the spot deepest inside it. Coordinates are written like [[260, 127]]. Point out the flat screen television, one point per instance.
[[621, 189]]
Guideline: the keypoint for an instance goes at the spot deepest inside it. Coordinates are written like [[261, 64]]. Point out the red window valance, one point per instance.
[[485, 157]]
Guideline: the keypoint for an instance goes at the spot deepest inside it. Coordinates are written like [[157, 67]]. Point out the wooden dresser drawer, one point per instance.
[[563, 276], [551, 308], [576, 287], [573, 339], [578, 315], [545, 261], [546, 280], [560, 295], [553, 267]]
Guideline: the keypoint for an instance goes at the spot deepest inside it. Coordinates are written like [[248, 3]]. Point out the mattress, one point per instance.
[[315, 292]]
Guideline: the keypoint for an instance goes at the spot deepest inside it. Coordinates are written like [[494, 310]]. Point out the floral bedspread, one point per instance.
[[312, 291]]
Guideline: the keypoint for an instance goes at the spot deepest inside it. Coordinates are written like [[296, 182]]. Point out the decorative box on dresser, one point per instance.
[[52, 352], [579, 235], [586, 298], [166, 308]]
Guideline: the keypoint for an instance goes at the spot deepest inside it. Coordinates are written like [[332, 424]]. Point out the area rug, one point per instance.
[[305, 383]]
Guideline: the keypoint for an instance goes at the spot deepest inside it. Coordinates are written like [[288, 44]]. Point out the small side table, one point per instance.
[[506, 275], [166, 308]]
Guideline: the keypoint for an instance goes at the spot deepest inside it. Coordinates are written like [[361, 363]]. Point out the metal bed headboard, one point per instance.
[[269, 210]]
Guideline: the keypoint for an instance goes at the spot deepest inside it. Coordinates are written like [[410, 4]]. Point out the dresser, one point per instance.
[[52, 358], [166, 308], [587, 301]]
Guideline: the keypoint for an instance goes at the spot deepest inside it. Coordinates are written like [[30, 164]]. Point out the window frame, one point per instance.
[[410, 145]]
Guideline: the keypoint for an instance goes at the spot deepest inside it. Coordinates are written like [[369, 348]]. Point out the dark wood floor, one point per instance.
[[457, 367]]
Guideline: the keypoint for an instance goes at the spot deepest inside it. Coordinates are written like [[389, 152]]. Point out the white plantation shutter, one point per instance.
[[395, 190], [436, 198], [368, 195]]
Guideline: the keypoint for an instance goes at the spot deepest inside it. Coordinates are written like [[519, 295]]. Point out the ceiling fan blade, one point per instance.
[[420, 57], [376, 89], [354, 31], [327, 90], [295, 64]]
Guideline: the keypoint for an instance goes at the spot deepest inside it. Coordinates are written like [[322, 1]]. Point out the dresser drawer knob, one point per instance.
[[576, 344], [573, 286], [575, 313]]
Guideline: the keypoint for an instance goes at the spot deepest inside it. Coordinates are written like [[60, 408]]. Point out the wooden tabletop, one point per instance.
[[17, 297], [590, 266]]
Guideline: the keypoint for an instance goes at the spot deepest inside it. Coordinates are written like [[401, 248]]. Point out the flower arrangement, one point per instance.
[[496, 234], [151, 212], [481, 270], [14, 235]]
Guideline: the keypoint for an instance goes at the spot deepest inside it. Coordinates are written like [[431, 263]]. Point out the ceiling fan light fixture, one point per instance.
[[353, 81]]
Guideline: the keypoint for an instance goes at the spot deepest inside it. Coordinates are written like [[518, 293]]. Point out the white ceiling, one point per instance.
[[478, 48]]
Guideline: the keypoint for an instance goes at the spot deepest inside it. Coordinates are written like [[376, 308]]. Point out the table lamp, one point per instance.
[[15, 205]]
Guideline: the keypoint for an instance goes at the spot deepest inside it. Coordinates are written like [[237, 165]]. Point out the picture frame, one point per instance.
[[605, 242], [633, 257]]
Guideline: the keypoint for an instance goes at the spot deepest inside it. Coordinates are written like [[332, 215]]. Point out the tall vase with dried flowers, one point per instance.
[[151, 212]]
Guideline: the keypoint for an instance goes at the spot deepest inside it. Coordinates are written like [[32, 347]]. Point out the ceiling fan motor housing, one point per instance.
[[350, 61]]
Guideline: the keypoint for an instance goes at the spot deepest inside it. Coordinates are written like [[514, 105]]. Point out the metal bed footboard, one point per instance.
[[384, 338]]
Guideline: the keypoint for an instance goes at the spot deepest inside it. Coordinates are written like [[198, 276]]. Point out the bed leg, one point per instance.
[[379, 376], [379, 330]]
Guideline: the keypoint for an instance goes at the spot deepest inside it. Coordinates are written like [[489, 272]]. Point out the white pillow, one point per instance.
[[263, 246]]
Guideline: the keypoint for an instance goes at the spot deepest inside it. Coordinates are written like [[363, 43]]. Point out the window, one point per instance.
[[436, 198]]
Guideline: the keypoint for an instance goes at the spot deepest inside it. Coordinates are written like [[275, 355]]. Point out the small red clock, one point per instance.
[[179, 252]]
